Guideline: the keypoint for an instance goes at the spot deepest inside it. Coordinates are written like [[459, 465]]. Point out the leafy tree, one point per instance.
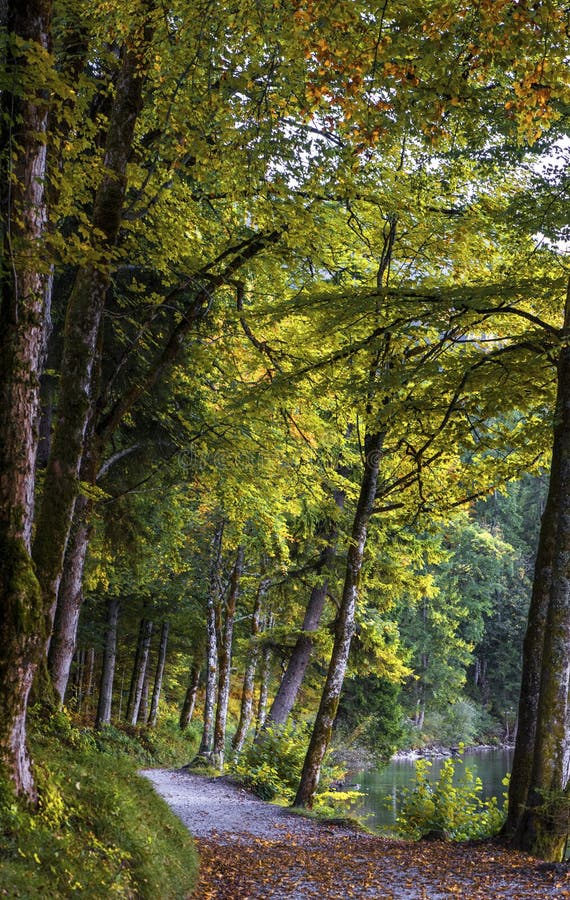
[[370, 713]]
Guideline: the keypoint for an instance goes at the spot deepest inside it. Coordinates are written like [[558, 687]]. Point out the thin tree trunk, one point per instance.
[[157, 688], [139, 670], [70, 598], [189, 704], [344, 627], [121, 694], [89, 675], [212, 644], [225, 662], [142, 713], [246, 708], [108, 668], [24, 314], [264, 676], [79, 677]]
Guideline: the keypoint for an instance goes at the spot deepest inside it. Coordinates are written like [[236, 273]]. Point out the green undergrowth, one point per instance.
[[100, 829], [271, 768]]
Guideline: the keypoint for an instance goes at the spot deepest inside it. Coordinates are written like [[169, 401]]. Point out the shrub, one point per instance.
[[271, 766], [451, 807]]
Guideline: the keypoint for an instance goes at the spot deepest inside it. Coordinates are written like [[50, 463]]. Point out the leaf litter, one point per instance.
[[250, 850]]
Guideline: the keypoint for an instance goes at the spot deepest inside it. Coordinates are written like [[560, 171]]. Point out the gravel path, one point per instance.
[[216, 805], [253, 850]]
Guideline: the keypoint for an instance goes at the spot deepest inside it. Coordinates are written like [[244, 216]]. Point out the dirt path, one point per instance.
[[250, 850]]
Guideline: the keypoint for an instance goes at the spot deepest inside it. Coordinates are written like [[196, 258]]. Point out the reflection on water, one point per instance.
[[382, 789]]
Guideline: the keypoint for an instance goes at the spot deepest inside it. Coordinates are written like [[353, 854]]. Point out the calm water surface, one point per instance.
[[381, 802]]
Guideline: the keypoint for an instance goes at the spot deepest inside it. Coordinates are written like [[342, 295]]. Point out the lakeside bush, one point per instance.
[[450, 807]]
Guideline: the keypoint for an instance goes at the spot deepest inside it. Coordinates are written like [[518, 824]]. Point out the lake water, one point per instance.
[[380, 804]]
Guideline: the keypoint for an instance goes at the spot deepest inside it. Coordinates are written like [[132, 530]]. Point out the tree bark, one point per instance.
[[23, 317], [108, 669], [544, 823], [70, 599], [212, 643], [189, 704], [139, 671], [344, 627], [246, 707], [225, 662], [157, 687], [533, 649]]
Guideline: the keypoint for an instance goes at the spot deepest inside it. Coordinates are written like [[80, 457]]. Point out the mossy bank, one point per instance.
[[100, 830]]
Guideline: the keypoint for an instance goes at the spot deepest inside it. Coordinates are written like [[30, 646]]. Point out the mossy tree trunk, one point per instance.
[[344, 626], [533, 648], [24, 296], [543, 814]]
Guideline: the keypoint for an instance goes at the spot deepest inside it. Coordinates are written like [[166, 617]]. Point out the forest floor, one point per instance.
[[252, 849]]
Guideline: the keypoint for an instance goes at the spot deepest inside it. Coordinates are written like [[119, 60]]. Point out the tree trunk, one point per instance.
[[299, 660], [292, 679], [142, 714], [139, 671], [344, 627], [264, 676], [89, 673], [212, 644], [70, 599], [246, 708], [544, 824], [225, 662], [79, 677], [157, 688], [190, 697], [108, 669], [533, 648], [81, 340], [24, 297]]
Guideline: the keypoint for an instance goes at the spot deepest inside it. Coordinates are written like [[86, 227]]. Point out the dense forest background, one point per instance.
[[452, 670], [285, 387]]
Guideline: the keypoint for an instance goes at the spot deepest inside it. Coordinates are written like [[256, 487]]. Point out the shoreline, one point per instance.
[[440, 752]]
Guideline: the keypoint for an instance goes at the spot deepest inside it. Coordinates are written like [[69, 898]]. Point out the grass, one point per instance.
[[100, 830]]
